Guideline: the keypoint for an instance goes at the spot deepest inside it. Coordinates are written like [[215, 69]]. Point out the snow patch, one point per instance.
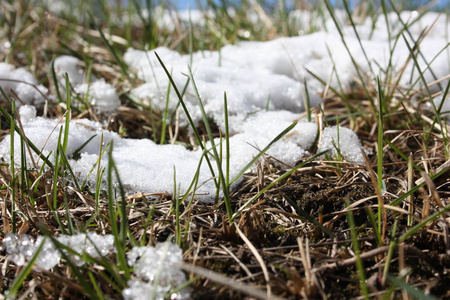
[[23, 84], [342, 143]]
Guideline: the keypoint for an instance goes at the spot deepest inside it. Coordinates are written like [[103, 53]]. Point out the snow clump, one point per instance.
[[101, 95], [156, 272], [23, 84], [21, 248], [342, 143], [156, 269]]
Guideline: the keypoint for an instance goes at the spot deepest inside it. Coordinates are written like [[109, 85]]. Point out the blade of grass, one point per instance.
[[227, 138], [355, 64], [392, 246], [422, 77], [9, 121], [165, 116], [110, 47], [216, 156], [119, 233], [357, 251], [282, 177], [13, 171], [380, 183], [176, 199], [188, 115], [56, 82], [423, 223], [263, 151], [307, 216], [372, 221], [410, 289]]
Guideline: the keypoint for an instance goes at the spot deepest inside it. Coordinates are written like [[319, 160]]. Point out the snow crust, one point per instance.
[[255, 74], [101, 95]]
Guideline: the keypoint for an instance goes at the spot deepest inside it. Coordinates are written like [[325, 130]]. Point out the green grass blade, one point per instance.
[[410, 289], [216, 156], [110, 47], [188, 115], [307, 216], [9, 121], [77, 152], [355, 64], [263, 151], [376, 230], [282, 177], [56, 82], [392, 246], [227, 138], [165, 116], [423, 223], [357, 251], [119, 232], [12, 168]]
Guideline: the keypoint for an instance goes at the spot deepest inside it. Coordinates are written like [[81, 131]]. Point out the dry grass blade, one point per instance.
[[241, 264], [378, 192], [259, 259], [223, 280], [311, 284]]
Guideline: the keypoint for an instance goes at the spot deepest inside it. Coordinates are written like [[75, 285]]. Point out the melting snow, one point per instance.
[[21, 248], [156, 272], [255, 75], [101, 95], [22, 83], [155, 268], [342, 143]]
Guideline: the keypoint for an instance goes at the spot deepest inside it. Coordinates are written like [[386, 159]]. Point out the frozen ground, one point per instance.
[[265, 86], [257, 76]]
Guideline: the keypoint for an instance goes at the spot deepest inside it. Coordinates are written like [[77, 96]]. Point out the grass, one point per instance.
[[320, 229]]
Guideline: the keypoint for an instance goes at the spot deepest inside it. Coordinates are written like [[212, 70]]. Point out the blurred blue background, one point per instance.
[[186, 4]]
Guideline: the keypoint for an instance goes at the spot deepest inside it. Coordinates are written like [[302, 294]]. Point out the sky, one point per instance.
[[186, 4]]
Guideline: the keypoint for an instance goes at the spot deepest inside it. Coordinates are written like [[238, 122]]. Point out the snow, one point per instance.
[[256, 76], [156, 272], [72, 67], [98, 93], [156, 269], [251, 72], [342, 143], [22, 248], [22, 83], [27, 113], [147, 167], [101, 95]]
